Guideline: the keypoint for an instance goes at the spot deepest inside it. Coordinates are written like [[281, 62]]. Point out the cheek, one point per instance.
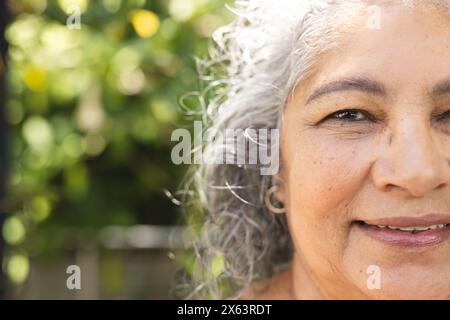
[[324, 176]]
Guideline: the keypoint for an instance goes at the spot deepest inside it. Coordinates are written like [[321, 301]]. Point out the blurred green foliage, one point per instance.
[[91, 111]]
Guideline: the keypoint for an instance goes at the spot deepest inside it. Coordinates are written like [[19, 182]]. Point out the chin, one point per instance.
[[413, 284]]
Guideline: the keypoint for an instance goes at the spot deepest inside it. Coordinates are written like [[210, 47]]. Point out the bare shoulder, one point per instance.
[[278, 287]]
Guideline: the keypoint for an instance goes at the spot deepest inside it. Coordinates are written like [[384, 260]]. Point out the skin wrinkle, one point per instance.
[[366, 84], [351, 83]]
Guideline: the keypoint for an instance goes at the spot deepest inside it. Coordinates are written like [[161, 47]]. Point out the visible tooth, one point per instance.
[[414, 229], [436, 226], [422, 228], [408, 229]]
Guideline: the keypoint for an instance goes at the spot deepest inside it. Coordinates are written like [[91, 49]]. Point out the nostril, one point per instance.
[[441, 186], [389, 186]]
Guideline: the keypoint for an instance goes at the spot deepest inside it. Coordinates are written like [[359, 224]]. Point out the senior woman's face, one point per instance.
[[366, 151]]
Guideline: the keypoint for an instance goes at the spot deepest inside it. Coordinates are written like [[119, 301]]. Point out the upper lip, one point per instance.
[[408, 221]]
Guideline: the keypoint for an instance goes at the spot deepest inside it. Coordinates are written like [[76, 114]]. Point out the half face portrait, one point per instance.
[[355, 100]]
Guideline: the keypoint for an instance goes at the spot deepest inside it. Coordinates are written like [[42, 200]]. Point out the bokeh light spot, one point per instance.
[[13, 231], [35, 78], [18, 268], [145, 23], [38, 133]]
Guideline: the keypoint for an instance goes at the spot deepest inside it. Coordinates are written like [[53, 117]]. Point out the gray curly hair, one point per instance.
[[254, 64]]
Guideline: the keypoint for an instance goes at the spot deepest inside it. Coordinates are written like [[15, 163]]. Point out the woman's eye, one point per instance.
[[443, 120], [444, 116], [349, 115]]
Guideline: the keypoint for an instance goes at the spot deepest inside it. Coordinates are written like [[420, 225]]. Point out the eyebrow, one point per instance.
[[368, 85], [355, 84]]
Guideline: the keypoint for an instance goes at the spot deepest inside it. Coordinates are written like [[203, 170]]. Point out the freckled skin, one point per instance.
[[338, 172]]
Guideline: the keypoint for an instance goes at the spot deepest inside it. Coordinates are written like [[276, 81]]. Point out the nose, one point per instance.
[[415, 159]]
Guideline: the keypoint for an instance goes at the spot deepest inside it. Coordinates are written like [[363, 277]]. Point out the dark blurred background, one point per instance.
[[90, 101]]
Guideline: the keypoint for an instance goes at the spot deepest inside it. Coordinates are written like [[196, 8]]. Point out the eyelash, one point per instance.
[[340, 116], [444, 115]]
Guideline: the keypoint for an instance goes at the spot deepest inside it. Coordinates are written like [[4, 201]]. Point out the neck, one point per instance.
[[303, 287]]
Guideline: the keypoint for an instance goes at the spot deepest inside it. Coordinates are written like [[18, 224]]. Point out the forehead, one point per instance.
[[411, 48]]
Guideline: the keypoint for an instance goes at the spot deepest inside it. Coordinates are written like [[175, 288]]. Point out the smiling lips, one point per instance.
[[408, 232]]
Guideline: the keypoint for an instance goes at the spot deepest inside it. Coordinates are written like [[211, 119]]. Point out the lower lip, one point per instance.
[[406, 239]]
